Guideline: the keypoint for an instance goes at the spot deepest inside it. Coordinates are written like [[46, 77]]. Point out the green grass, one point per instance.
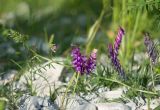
[[2, 105]]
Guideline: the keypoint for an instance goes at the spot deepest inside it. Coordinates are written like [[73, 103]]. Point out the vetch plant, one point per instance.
[[113, 52], [118, 40], [80, 62], [91, 62], [152, 53], [82, 65], [151, 48]]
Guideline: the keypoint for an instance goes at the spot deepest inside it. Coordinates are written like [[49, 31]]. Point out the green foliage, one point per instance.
[[2, 105], [157, 108], [16, 36], [7, 92]]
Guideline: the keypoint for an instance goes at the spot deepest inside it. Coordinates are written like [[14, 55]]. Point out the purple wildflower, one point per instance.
[[91, 62], [115, 60], [151, 50], [81, 63], [78, 60], [113, 52], [118, 40]]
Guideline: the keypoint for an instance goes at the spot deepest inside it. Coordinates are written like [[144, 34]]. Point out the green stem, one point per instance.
[[51, 60], [32, 83], [152, 76], [93, 30], [136, 25], [76, 83], [123, 12], [148, 103], [68, 86]]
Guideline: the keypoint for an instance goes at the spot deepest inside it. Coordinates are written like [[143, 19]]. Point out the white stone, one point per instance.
[[91, 97], [112, 106], [8, 77], [45, 80], [102, 89], [153, 104], [139, 57], [104, 60], [157, 87], [75, 103], [141, 101], [132, 105], [36, 103], [113, 94]]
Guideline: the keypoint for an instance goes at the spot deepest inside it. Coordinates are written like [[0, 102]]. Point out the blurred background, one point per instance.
[[88, 23]]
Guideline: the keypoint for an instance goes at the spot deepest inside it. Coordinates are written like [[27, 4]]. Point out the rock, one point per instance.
[[98, 100], [102, 89], [44, 79], [36, 103], [94, 97], [104, 60], [113, 94], [27, 102], [112, 106], [132, 105], [153, 104], [8, 77], [139, 57], [18, 86], [91, 97], [157, 87], [75, 103], [135, 67], [140, 101], [67, 76]]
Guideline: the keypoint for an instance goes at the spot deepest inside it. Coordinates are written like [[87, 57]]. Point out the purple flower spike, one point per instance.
[[91, 62], [81, 63], [151, 49], [115, 61], [113, 52], [118, 40], [78, 61]]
